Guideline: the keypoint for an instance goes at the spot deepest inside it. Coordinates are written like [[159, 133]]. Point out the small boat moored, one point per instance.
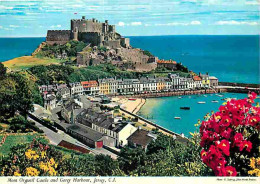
[[185, 108], [219, 95], [177, 117], [214, 101], [201, 102]]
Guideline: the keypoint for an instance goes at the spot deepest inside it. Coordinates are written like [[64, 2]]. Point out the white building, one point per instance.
[[76, 89], [148, 84], [50, 102]]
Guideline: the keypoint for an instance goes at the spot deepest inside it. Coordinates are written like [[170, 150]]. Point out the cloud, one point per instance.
[[121, 24], [6, 7], [8, 29], [14, 26], [136, 23], [55, 26], [1, 27], [234, 22], [195, 22], [252, 2]]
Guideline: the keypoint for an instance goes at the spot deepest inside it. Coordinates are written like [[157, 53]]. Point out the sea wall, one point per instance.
[[239, 84], [175, 93], [164, 130]]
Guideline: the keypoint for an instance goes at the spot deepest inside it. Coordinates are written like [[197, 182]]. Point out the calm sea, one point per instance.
[[163, 110], [230, 58]]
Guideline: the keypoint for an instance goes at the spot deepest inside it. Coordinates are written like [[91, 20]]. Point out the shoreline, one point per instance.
[[134, 106]]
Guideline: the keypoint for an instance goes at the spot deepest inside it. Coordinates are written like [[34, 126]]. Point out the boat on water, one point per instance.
[[201, 102], [214, 101], [176, 117], [205, 95], [185, 108], [219, 95], [179, 97]]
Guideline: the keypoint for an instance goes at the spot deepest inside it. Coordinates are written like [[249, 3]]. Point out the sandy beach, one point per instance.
[[132, 106]]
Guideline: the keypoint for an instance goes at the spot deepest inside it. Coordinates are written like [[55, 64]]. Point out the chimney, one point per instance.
[[199, 74], [83, 17]]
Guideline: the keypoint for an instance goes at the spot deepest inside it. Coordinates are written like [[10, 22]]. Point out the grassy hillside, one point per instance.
[[15, 139], [26, 62]]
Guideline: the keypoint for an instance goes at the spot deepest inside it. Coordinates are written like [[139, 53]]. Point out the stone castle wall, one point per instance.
[[86, 25], [58, 36], [94, 38], [112, 44]]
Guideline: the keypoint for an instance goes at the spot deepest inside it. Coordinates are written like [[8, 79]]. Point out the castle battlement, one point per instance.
[[89, 31]]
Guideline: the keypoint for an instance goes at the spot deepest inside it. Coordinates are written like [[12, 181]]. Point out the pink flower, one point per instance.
[[245, 144], [230, 171], [238, 138], [226, 133], [224, 146]]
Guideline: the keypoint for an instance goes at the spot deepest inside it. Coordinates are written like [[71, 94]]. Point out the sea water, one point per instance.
[[163, 111], [229, 58]]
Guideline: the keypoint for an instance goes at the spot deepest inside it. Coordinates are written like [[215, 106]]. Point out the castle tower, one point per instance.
[[75, 34]]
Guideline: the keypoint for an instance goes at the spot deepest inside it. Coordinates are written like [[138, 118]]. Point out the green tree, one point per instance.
[[2, 70], [105, 165], [130, 158]]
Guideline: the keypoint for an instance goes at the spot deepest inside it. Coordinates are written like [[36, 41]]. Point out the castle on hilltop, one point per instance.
[[89, 31]]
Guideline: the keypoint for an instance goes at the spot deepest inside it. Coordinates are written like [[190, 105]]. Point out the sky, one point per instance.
[[32, 18]]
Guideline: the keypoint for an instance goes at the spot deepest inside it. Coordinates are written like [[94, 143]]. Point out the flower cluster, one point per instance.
[[49, 167], [31, 154], [35, 159], [3, 140], [229, 137], [30, 171], [255, 166]]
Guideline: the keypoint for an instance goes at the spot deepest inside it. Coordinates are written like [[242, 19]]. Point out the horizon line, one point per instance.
[[151, 35]]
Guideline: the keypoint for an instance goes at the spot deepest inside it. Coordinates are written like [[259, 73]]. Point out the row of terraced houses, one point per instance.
[[113, 86]]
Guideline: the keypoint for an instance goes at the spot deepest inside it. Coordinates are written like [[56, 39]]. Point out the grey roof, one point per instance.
[[70, 104], [49, 98], [86, 132], [118, 127], [100, 119], [140, 137], [107, 80], [147, 80]]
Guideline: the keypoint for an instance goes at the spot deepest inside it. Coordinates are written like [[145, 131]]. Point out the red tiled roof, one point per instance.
[[71, 146], [89, 83], [196, 78]]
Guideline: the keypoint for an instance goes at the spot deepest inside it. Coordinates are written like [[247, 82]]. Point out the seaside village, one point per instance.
[[102, 114]]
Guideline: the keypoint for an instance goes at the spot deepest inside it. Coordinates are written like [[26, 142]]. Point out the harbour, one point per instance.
[[166, 112]]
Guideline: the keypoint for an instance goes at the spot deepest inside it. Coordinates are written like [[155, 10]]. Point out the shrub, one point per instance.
[[230, 139]]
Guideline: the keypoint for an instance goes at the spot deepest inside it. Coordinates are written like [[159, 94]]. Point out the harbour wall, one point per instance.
[[173, 93], [239, 84], [164, 130]]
